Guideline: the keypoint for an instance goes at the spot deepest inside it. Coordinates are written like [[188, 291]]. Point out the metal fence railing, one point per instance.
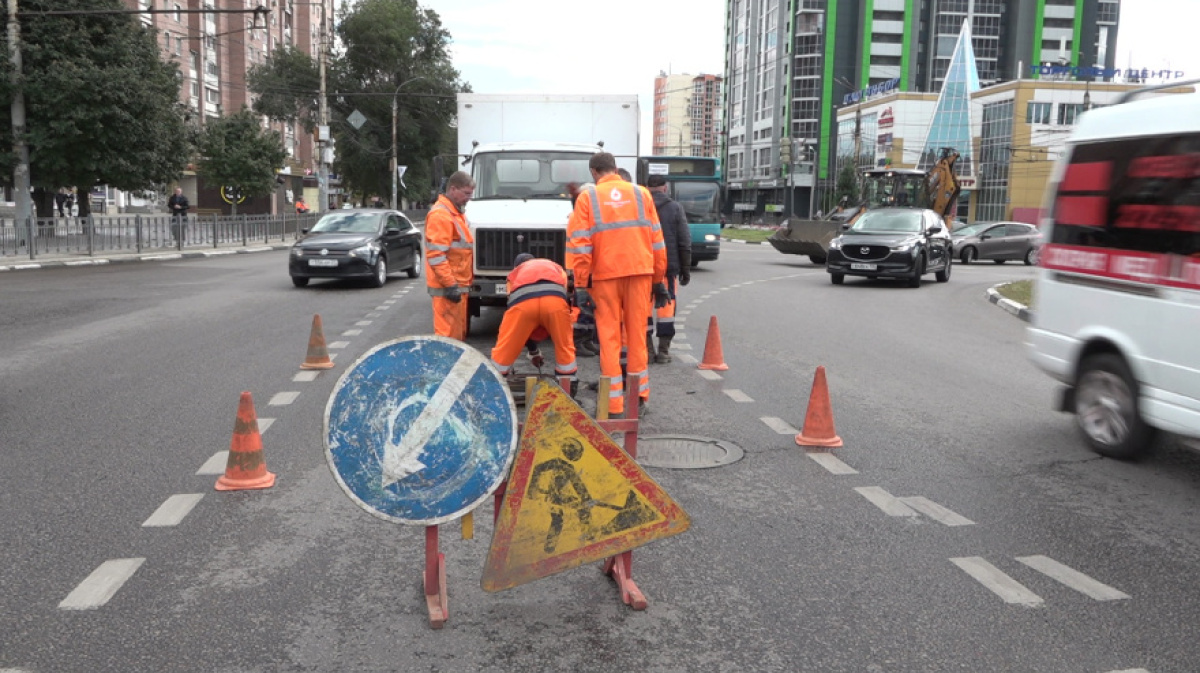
[[94, 235]]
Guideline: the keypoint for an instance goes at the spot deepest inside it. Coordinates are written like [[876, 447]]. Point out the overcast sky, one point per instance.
[[619, 46]]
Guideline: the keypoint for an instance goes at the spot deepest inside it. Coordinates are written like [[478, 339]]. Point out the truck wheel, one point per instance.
[[1106, 408], [816, 259]]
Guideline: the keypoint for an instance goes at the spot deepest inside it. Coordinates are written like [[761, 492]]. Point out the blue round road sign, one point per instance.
[[420, 430]]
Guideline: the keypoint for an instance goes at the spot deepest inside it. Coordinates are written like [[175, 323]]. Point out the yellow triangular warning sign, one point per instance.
[[574, 496]]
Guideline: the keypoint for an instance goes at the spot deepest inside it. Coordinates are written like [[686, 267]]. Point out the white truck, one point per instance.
[[523, 150]]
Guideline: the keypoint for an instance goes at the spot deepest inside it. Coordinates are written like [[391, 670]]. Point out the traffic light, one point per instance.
[[785, 151]]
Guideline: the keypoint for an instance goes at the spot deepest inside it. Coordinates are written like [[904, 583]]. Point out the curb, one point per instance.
[[1019, 310], [162, 256], [740, 241]]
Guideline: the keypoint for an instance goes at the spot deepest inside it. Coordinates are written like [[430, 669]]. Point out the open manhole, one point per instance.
[[686, 452]]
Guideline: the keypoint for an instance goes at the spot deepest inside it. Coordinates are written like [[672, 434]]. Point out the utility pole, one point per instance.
[[814, 151], [395, 159], [20, 147], [323, 118]]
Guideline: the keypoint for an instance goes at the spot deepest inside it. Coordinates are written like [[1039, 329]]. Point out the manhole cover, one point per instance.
[[686, 452]]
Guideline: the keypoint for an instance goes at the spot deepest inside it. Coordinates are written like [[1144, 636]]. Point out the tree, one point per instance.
[[101, 106], [847, 183], [238, 153], [393, 49]]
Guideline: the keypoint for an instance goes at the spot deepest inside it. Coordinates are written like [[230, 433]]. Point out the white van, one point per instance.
[[1116, 314]]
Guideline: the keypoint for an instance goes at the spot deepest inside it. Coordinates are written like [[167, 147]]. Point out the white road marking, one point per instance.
[[684, 357], [682, 313], [384, 307], [779, 425], [172, 511], [401, 460], [283, 399], [936, 512], [682, 347], [102, 584], [1073, 578], [85, 262], [389, 301], [1131, 670], [374, 315], [310, 375], [215, 464], [709, 374], [338, 344], [830, 462], [363, 323], [883, 500], [264, 423], [994, 580], [352, 332], [681, 335], [737, 395]]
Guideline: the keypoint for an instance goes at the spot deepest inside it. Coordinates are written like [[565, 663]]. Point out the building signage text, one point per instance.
[[873, 90], [1105, 73]]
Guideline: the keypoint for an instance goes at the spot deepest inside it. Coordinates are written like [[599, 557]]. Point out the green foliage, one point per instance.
[[236, 151], [392, 49], [101, 106], [847, 184]]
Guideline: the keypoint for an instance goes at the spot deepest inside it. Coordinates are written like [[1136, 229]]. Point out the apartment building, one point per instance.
[[791, 64], [687, 115]]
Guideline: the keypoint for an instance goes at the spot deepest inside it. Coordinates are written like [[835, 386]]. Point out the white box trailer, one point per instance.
[[523, 150]]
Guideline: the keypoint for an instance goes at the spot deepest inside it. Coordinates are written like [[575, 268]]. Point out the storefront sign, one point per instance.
[[886, 119], [1104, 73], [873, 90]]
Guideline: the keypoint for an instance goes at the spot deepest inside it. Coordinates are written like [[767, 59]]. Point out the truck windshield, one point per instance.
[[883, 191], [531, 174], [700, 200]]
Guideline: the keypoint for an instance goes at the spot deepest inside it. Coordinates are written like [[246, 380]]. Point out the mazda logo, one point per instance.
[[864, 250]]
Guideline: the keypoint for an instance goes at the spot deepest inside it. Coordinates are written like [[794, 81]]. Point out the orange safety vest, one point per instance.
[[449, 248], [536, 278], [614, 232]]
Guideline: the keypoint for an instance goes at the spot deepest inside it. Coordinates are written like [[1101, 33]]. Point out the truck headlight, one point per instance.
[[711, 237]]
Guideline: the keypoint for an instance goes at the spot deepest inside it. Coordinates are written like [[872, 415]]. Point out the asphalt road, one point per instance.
[[962, 527]]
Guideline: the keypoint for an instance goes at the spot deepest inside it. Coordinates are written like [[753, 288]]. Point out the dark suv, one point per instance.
[[892, 243]]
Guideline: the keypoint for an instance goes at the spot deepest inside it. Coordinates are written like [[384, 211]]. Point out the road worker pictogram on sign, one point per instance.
[[574, 497]]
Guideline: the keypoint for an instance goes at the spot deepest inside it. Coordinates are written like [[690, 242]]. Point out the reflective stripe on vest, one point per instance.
[[542, 288]]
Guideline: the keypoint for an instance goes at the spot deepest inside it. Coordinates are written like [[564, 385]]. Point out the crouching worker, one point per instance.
[[537, 298]]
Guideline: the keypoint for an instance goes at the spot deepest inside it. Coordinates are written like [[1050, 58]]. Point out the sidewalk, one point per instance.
[[48, 260]]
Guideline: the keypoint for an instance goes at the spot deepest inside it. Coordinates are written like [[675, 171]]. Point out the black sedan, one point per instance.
[[902, 243], [366, 243]]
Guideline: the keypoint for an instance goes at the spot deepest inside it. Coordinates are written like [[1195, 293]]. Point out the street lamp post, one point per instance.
[[395, 164]]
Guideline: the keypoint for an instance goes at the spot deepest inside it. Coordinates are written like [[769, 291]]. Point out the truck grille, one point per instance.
[[495, 249]]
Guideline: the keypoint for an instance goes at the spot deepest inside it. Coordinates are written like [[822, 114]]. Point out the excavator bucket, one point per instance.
[[806, 237]]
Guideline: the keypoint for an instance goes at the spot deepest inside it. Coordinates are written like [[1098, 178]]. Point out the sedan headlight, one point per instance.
[[365, 251], [297, 251]]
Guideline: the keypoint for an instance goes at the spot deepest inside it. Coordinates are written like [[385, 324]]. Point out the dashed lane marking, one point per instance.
[[310, 375], [374, 315], [352, 332], [173, 510], [994, 580], [709, 374], [1073, 578], [384, 307], [831, 463], [264, 423], [102, 584], [283, 399], [684, 357], [779, 425], [682, 347], [215, 464], [883, 500], [339, 344], [737, 395], [936, 512], [363, 323]]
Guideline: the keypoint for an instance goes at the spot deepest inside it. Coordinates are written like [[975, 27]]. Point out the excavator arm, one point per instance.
[[942, 186]]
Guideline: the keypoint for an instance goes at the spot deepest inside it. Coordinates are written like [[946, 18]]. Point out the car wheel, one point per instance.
[[299, 282], [381, 272], [695, 263], [816, 259], [415, 270], [944, 275], [968, 255], [999, 261], [1106, 408], [918, 270], [1031, 257], [837, 278]]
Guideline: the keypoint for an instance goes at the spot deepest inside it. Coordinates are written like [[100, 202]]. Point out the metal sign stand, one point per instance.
[[620, 567]]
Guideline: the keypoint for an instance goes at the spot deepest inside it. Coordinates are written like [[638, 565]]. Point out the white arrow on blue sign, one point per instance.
[[420, 430]]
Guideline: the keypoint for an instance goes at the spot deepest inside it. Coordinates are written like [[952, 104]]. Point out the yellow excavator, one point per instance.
[[936, 189]]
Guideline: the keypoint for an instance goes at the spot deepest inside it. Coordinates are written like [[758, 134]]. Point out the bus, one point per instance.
[[695, 182]]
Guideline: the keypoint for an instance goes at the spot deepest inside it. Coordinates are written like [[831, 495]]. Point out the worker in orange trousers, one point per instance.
[[449, 257], [538, 306]]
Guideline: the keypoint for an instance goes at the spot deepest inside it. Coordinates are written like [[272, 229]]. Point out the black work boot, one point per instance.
[[649, 348], [664, 350]]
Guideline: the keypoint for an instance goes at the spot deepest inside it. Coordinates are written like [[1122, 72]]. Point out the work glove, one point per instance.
[[454, 293], [685, 276], [583, 299], [661, 296]]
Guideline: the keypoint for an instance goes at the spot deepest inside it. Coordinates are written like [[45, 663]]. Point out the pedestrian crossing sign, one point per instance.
[[574, 496]]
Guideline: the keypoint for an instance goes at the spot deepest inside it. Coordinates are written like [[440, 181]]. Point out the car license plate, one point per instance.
[[322, 262], [863, 267], [502, 288]]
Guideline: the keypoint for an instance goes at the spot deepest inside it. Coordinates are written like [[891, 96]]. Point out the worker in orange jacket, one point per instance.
[[537, 306], [449, 257], [619, 259]]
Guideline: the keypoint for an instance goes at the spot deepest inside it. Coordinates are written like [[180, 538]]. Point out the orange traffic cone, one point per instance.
[[713, 359], [818, 422], [245, 468], [318, 355]]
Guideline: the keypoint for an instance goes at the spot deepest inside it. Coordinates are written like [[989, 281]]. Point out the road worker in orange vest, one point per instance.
[[449, 256], [537, 306], [620, 261]]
